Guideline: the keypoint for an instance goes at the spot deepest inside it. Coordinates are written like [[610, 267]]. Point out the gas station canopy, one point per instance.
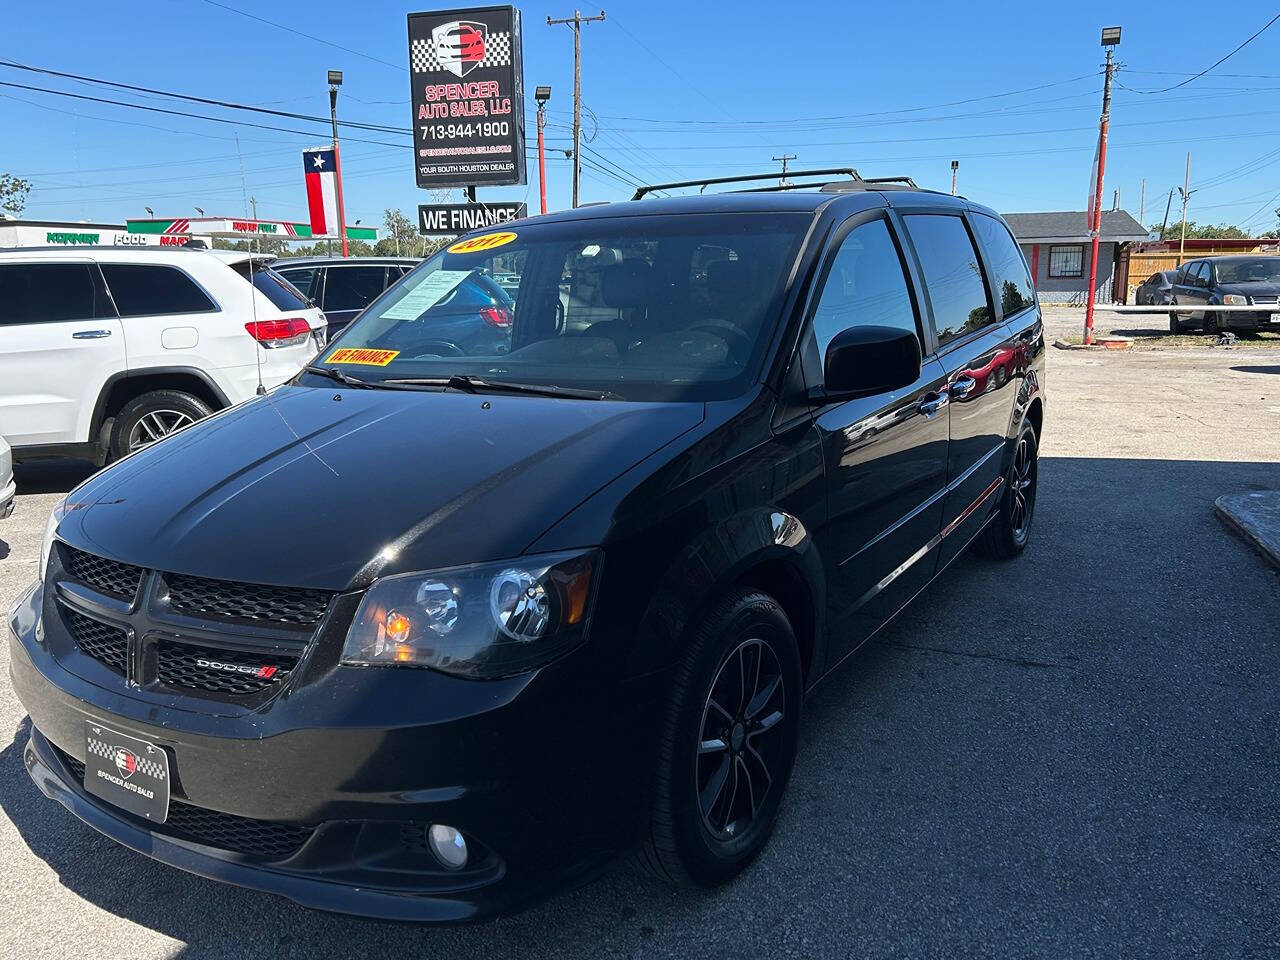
[[237, 228]]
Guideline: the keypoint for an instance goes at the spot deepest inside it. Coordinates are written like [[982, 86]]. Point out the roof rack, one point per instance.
[[875, 183], [771, 175]]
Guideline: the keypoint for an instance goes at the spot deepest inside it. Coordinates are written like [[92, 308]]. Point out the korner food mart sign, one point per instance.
[[33, 233]]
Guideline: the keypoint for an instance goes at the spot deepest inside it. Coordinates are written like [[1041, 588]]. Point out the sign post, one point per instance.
[[467, 92]]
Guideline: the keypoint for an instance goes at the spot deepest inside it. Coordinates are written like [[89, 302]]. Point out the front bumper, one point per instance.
[[513, 764]]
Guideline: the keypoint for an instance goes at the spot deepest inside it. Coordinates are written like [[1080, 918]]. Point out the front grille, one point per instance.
[[179, 665], [260, 839], [228, 600], [1265, 301], [103, 642], [106, 576]]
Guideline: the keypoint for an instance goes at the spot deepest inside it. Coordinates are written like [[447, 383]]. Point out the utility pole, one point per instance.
[[784, 158], [576, 21], [1167, 204], [1142, 204], [542, 95], [1110, 37], [1186, 192], [955, 167], [335, 81]]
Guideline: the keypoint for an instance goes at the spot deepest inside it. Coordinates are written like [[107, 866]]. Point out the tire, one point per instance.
[[690, 840], [1009, 531], [151, 417], [1175, 325], [1210, 322]]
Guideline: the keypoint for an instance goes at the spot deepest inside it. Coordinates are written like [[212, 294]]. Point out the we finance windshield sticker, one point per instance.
[[361, 355], [487, 242]]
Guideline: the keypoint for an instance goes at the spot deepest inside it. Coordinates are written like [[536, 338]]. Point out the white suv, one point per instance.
[[104, 351]]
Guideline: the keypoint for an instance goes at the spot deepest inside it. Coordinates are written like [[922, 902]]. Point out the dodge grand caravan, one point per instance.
[[437, 627]]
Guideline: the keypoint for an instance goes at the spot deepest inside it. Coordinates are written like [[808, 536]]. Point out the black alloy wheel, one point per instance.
[[728, 743], [1009, 531], [741, 739]]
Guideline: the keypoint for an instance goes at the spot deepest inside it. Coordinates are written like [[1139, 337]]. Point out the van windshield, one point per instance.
[[1265, 269], [642, 307]]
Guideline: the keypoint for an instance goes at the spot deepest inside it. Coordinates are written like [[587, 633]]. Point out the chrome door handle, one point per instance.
[[931, 406], [963, 386], [90, 334]]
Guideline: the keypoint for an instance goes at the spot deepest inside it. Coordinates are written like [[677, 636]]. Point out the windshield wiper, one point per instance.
[[467, 383], [333, 373]]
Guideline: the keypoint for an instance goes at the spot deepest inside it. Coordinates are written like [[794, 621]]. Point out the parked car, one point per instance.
[[1156, 289], [427, 636], [343, 287], [8, 486], [106, 350], [1227, 281]]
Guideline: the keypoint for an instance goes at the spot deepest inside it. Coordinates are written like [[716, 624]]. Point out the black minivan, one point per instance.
[[429, 631]]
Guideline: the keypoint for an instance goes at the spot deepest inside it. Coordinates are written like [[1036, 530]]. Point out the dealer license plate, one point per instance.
[[1275, 318], [127, 772]]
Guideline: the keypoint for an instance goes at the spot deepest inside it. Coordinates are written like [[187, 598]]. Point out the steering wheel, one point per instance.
[[438, 348], [739, 340]]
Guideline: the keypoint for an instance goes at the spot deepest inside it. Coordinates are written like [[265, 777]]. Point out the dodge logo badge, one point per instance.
[[459, 45]]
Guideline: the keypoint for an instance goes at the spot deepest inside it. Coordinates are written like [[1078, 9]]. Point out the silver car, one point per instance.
[[7, 485]]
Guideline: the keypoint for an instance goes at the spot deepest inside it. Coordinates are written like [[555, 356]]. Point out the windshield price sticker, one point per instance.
[[365, 357], [426, 294], [487, 242]]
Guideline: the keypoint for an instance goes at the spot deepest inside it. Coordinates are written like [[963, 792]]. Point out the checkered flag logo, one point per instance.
[[425, 56], [112, 754]]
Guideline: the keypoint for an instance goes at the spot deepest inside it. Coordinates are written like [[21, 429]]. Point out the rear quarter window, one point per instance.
[[149, 290], [1013, 287], [282, 294]]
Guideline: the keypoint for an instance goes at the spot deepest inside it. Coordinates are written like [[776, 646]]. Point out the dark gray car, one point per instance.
[[1157, 289], [343, 287], [1252, 280]]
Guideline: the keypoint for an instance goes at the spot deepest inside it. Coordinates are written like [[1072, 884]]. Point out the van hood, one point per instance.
[[1252, 288], [327, 488]]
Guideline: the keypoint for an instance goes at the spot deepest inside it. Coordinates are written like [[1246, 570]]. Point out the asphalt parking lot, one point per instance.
[[1071, 755]]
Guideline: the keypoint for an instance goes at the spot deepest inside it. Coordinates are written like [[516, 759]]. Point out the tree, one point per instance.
[[1209, 231], [401, 238], [13, 193]]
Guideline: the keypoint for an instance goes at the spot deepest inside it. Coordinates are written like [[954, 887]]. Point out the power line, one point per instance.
[[1197, 76], [327, 43]]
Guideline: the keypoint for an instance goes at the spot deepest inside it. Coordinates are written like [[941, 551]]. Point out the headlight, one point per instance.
[[483, 621], [1234, 300], [50, 528]]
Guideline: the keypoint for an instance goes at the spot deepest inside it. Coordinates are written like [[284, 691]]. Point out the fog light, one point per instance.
[[448, 844]]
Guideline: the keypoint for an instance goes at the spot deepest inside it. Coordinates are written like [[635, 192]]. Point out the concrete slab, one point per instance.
[[1256, 517]]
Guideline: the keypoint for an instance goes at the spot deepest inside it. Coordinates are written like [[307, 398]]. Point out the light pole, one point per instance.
[[955, 168], [542, 95], [1110, 40], [335, 81]]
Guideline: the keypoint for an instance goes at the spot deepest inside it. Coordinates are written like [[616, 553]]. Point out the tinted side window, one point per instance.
[[47, 293], [1013, 281], [303, 278], [353, 288], [952, 274], [866, 285], [146, 290]]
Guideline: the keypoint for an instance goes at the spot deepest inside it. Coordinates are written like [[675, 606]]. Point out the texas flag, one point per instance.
[[322, 190]]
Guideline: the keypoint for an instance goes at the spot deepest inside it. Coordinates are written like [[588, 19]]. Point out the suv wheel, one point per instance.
[[151, 417], [1008, 532], [728, 744], [1175, 325]]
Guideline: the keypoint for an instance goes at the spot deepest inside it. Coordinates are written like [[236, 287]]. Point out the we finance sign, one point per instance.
[[451, 219]]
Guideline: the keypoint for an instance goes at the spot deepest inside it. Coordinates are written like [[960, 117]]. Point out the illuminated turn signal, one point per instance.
[[398, 626]]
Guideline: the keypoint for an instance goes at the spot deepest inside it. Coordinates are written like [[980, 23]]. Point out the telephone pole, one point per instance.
[[1110, 37], [1142, 204], [576, 21], [955, 168], [1186, 192], [784, 158], [1167, 204]]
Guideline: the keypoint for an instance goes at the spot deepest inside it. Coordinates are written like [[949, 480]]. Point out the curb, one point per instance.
[[1260, 532], [1099, 343]]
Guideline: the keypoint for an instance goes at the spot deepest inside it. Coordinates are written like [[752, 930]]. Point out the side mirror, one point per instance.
[[866, 360]]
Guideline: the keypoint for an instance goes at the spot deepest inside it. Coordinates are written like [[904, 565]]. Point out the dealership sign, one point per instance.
[[451, 219], [467, 92]]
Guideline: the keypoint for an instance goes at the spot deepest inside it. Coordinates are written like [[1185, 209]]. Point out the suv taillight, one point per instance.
[[279, 333], [496, 316]]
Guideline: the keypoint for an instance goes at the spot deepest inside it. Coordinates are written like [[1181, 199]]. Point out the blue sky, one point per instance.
[[675, 90]]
